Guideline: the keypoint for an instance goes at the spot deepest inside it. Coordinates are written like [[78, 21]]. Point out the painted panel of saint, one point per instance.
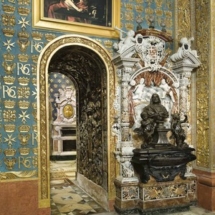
[[95, 12]]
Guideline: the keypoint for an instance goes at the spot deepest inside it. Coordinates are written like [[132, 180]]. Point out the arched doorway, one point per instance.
[[88, 63]]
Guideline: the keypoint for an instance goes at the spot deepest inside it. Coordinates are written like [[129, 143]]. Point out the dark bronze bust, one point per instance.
[[153, 116], [155, 110]]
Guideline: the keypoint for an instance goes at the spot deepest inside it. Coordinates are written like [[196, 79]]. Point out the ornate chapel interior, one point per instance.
[[111, 104]]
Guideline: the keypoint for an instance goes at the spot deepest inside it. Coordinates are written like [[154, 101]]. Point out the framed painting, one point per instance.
[[91, 17]]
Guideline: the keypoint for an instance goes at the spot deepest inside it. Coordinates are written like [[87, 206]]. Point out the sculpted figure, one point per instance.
[[167, 90], [178, 132], [138, 92], [152, 115], [155, 110], [125, 42]]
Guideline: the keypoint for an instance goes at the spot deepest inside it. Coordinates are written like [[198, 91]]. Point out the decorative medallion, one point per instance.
[[9, 67], [10, 162], [9, 127], [8, 80], [68, 111]]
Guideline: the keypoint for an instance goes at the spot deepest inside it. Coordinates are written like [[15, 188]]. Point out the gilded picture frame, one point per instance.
[[57, 16]]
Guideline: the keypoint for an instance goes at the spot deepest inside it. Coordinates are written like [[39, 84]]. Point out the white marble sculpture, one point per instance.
[[142, 70], [125, 42], [185, 47]]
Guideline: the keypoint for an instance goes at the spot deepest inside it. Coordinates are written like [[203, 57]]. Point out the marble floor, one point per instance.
[[68, 199]]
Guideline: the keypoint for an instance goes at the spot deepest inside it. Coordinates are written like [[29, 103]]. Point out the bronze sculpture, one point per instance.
[[153, 116], [178, 132], [157, 157]]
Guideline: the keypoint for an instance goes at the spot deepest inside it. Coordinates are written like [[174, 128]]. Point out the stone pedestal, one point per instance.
[[166, 197], [155, 197], [127, 196], [206, 189]]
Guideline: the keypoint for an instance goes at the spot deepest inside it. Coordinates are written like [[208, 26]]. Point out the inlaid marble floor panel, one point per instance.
[[66, 197], [69, 199]]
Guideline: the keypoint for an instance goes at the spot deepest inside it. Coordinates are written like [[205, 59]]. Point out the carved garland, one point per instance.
[[43, 107]]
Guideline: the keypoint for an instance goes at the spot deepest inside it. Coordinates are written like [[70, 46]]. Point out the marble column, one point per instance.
[[126, 183], [183, 67]]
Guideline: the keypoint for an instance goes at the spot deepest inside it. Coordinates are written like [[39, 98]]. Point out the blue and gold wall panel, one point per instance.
[[20, 46]]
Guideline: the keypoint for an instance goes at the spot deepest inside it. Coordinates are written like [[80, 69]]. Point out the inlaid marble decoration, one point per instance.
[[165, 192], [130, 192]]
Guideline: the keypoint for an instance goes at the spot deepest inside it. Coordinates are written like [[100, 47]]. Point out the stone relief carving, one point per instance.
[[144, 68], [145, 86], [127, 170], [151, 50]]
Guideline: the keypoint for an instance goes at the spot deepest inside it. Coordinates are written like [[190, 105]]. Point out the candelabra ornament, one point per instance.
[[157, 157], [151, 22], [139, 20], [163, 26]]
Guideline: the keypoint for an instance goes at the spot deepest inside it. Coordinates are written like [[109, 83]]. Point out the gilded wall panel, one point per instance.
[[43, 124], [212, 79], [183, 23], [202, 45]]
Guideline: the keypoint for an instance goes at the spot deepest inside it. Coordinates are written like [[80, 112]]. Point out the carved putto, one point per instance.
[[125, 42], [178, 133]]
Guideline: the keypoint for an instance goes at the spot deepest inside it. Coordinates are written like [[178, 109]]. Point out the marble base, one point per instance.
[[167, 210], [155, 197], [206, 189], [127, 195], [123, 211]]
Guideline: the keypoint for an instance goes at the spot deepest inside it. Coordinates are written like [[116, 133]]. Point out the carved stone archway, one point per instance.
[[45, 58]]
